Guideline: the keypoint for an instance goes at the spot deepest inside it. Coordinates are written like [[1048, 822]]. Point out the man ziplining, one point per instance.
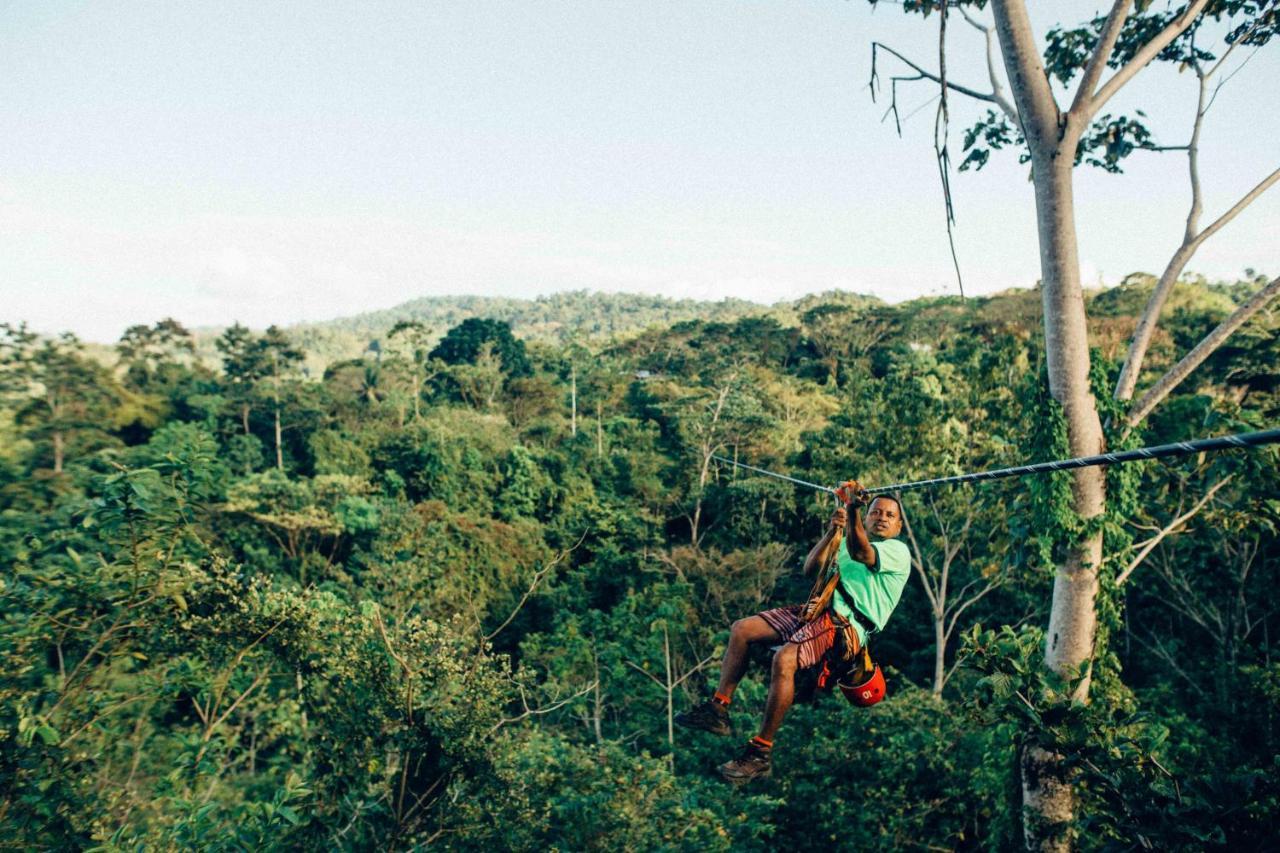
[[856, 590], [858, 597]]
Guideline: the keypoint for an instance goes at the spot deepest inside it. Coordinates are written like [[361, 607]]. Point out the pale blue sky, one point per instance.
[[278, 162]]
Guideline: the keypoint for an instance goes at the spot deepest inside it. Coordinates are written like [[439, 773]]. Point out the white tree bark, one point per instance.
[[279, 440], [1048, 801], [1193, 237], [1165, 384], [1052, 138]]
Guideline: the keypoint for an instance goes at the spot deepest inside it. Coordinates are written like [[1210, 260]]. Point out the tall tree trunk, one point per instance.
[[597, 709], [279, 450], [1069, 644], [59, 449], [244, 417], [939, 653], [709, 448], [573, 400], [1052, 137], [1072, 620]]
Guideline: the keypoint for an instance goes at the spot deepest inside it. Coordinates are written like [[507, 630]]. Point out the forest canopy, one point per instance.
[[449, 587]]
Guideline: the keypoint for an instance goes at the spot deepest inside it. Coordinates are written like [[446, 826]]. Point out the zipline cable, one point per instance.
[[772, 474], [1180, 448]]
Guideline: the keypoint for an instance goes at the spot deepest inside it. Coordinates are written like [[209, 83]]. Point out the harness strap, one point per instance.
[[863, 619]]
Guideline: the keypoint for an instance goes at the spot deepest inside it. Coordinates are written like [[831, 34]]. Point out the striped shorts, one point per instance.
[[815, 638]]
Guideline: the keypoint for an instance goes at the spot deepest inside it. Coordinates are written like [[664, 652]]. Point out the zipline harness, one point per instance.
[[1180, 448]]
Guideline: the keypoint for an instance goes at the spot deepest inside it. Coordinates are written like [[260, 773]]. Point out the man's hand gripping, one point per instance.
[[852, 492]]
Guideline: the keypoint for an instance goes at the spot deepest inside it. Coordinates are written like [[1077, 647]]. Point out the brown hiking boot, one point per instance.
[[754, 762], [710, 716]]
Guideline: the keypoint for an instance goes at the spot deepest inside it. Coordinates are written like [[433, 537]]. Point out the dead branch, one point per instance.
[[955, 615], [1172, 527], [1201, 351], [533, 585], [542, 709], [997, 88], [1193, 237], [923, 74], [918, 562]]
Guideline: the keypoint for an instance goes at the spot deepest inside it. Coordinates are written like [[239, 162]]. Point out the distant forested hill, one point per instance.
[[601, 317], [557, 317]]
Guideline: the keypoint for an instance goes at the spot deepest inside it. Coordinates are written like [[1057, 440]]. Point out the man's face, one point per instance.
[[883, 518]]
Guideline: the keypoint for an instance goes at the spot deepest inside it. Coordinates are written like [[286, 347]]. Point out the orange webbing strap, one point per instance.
[[824, 585], [868, 665]]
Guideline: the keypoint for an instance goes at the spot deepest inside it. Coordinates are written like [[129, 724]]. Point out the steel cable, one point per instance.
[[1180, 448]]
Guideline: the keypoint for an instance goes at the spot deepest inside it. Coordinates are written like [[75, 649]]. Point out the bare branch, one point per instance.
[[656, 680], [918, 562], [111, 709], [1225, 80], [210, 727], [1145, 54], [545, 709], [1240, 39], [1170, 528], [1168, 657], [386, 641], [1101, 53], [697, 668], [997, 88], [955, 616], [1187, 603], [1248, 199], [927, 75], [533, 585], [258, 680], [1202, 350], [1191, 241]]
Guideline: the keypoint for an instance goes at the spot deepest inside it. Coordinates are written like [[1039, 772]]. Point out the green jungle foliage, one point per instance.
[[450, 592]]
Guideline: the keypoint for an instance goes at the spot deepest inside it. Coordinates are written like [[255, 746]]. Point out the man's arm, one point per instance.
[[856, 540], [821, 553]]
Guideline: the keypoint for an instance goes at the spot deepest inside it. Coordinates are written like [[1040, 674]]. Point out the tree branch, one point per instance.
[[1240, 39], [1191, 242], [1037, 108], [1145, 54], [545, 709], [918, 562], [1202, 350], [1248, 199], [1171, 527], [656, 680], [997, 88], [533, 585], [1101, 53], [927, 75], [697, 668], [1173, 663], [955, 615]]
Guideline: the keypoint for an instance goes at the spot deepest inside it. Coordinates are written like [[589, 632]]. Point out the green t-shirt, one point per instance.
[[876, 591]]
